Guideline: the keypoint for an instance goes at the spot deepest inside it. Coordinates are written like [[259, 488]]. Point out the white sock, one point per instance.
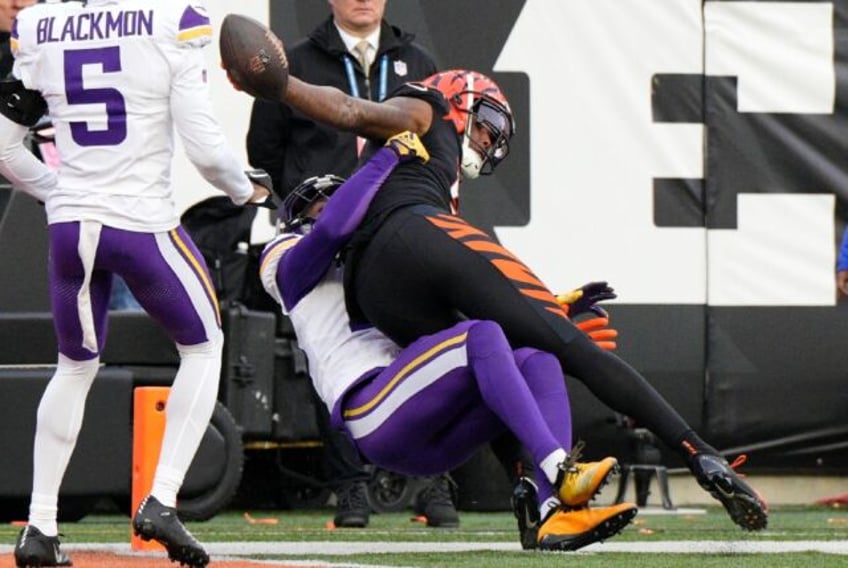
[[550, 465], [547, 505], [166, 485], [42, 513]]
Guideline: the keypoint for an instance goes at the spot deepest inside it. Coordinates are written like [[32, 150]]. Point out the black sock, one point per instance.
[[691, 444], [622, 388]]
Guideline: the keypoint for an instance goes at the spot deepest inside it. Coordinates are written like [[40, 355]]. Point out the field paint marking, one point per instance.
[[323, 548]]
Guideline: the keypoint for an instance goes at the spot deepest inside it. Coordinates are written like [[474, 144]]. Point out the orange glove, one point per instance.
[[599, 331]]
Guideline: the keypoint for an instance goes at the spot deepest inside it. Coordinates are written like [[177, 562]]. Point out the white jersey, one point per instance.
[[118, 76], [337, 355]]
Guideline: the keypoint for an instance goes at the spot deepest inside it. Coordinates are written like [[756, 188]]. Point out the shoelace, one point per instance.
[[738, 462], [354, 497], [571, 459], [439, 491]]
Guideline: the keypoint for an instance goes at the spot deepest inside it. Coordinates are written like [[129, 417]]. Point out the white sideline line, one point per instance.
[[643, 511], [323, 548], [724, 546], [681, 547]]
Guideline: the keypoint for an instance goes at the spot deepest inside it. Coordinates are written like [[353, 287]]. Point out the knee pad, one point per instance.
[[85, 369], [211, 348]]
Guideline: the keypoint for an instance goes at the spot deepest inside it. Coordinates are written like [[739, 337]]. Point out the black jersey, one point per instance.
[[414, 183], [410, 184]]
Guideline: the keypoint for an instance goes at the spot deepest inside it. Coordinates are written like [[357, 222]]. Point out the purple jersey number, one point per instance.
[[109, 58]]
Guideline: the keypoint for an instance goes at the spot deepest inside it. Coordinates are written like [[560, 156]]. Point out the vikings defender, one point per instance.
[[117, 77], [426, 408]]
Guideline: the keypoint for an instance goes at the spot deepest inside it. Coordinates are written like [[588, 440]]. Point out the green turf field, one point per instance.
[[786, 524]]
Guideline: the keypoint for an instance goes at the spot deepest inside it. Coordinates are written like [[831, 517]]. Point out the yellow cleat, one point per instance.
[[578, 483], [570, 530]]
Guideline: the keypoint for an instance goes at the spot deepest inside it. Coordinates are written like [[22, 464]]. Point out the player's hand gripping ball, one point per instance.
[[253, 57]]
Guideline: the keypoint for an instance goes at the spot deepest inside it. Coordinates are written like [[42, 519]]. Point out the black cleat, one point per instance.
[[33, 550], [525, 507], [155, 521], [745, 507], [435, 502], [352, 509]]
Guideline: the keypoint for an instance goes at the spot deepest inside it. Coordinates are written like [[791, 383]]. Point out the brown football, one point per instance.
[[254, 57]]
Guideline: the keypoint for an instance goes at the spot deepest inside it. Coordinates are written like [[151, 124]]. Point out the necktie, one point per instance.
[[361, 50]]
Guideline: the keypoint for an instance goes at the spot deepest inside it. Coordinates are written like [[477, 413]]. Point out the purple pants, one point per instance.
[[164, 271], [448, 394]]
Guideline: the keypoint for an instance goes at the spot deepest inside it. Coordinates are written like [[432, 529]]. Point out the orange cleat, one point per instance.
[[571, 530], [578, 483]]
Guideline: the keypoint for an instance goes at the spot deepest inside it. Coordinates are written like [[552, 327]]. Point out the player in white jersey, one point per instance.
[[118, 76], [426, 408]]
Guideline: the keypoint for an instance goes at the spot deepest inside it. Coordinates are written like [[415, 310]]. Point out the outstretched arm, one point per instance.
[[199, 130], [363, 117], [255, 61]]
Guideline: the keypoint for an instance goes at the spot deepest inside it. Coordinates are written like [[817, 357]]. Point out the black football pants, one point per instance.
[[424, 270]]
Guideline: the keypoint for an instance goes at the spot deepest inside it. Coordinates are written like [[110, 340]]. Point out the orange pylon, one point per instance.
[[148, 430]]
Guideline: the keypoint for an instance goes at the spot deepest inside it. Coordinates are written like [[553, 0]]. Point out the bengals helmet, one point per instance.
[[475, 97], [296, 204]]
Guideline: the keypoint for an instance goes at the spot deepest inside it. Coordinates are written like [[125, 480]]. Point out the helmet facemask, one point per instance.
[[297, 204], [496, 120], [484, 111]]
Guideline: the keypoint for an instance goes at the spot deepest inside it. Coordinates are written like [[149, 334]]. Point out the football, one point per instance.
[[253, 57]]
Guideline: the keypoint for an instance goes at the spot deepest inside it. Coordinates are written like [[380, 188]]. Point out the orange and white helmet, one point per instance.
[[475, 97]]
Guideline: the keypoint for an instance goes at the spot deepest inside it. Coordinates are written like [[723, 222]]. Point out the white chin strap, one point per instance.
[[472, 162]]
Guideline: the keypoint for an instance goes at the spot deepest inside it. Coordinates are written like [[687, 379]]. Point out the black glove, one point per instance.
[[262, 178], [586, 298]]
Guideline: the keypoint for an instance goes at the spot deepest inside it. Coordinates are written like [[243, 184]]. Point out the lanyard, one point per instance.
[[351, 76]]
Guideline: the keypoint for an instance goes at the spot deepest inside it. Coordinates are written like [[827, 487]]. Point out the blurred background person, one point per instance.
[[842, 267]]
